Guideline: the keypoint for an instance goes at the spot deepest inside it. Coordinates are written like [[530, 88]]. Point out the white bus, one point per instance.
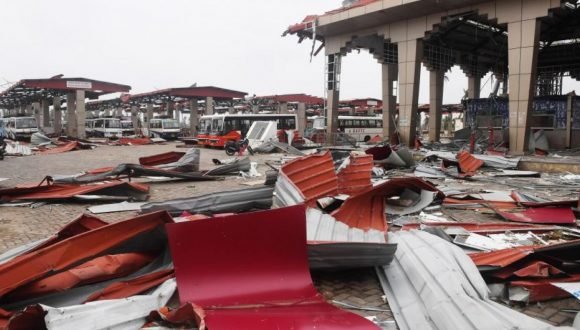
[[21, 127], [167, 129], [127, 128], [362, 128], [216, 130], [107, 128]]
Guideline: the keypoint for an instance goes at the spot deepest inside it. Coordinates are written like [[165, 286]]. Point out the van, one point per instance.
[[167, 129], [21, 128], [109, 128]]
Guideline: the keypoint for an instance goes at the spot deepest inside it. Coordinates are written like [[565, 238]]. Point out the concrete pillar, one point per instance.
[[255, 108], [135, 119], [389, 76], [149, 117], [170, 107], [119, 112], [301, 116], [283, 108], [231, 110], [209, 105], [29, 111], [410, 53], [57, 121], [193, 120], [80, 114], [473, 87], [44, 106], [36, 112], [71, 118], [523, 46], [177, 114], [331, 114], [569, 118], [436, 83]]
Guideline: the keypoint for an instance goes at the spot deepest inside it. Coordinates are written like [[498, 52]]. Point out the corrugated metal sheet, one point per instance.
[[164, 158], [67, 191], [542, 215], [432, 284], [220, 202], [323, 227], [481, 228], [72, 251], [468, 163], [312, 176], [257, 278], [356, 177], [501, 258], [128, 313], [65, 147]]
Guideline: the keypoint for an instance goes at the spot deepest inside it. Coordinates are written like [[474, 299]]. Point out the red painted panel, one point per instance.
[[542, 215], [159, 159], [254, 265]]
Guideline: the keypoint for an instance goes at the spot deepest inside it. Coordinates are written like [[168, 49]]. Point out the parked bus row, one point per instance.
[[19, 128], [114, 128]]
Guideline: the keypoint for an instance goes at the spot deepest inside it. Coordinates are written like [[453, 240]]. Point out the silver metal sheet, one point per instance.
[[115, 207], [323, 227], [433, 284], [286, 193]]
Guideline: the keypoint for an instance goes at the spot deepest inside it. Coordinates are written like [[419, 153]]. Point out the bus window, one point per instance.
[[205, 126], [26, 123], [379, 123], [112, 124], [216, 125], [99, 123], [245, 125], [170, 124], [356, 123], [291, 123]]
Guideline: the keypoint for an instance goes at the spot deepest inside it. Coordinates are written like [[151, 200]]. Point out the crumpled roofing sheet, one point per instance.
[[541, 215], [64, 147], [220, 202], [356, 176], [127, 313], [57, 191], [75, 250], [309, 177], [163, 158], [432, 284], [255, 278]]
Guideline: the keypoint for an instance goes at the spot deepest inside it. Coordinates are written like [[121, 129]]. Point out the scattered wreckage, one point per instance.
[[334, 209]]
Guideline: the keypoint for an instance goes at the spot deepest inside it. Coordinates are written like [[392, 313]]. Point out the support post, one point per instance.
[[301, 117], [333, 95], [71, 118], [81, 114], [209, 105], [57, 113], [283, 108], [473, 87], [193, 120], [390, 75], [436, 83], [45, 113], [149, 117], [135, 119], [170, 107], [36, 113], [569, 118], [523, 47], [410, 53]]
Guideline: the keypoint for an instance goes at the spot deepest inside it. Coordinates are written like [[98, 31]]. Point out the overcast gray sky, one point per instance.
[[154, 44]]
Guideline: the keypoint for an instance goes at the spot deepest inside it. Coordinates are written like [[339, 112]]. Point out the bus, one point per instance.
[[216, 130], [127, 128], [21, 127], [106, 128], [362, 128], [167, 129]]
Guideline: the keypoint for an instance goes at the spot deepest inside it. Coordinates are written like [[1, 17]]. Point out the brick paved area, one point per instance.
[[359, 288]]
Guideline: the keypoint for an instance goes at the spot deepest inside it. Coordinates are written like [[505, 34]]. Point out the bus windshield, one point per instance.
[[112, 124], [126, 124], [216, 125], [25, 123], [170, 124], [205, 126]]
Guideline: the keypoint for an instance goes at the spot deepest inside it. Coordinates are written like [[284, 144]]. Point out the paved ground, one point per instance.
[[357, 288]]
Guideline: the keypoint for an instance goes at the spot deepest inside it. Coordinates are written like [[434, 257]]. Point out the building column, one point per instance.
[[119, 112], [29, 110], [255, 108], [332, 95], [81, 114], [410, 53], [149, 117], [389, 76], [436, 83], [523, 46], [71, 118], [135, 119], [169, 107], [193, 120], [283, 108], [177, 114], [473, 87], [45, 113], [57, 113], [209, 105], [36, 113], [301, 117]]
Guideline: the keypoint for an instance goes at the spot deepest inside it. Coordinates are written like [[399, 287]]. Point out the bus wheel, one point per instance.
[[367, 138]]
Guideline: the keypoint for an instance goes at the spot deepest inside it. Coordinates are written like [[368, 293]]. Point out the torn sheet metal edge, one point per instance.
[[426, 198], [343, 255], [286, 193], [432, 284], [116, 207], [128, 313], [220, 202], [20, 250], [324, 227]]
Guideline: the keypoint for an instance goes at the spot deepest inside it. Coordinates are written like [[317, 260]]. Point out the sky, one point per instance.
[[156, 44]]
